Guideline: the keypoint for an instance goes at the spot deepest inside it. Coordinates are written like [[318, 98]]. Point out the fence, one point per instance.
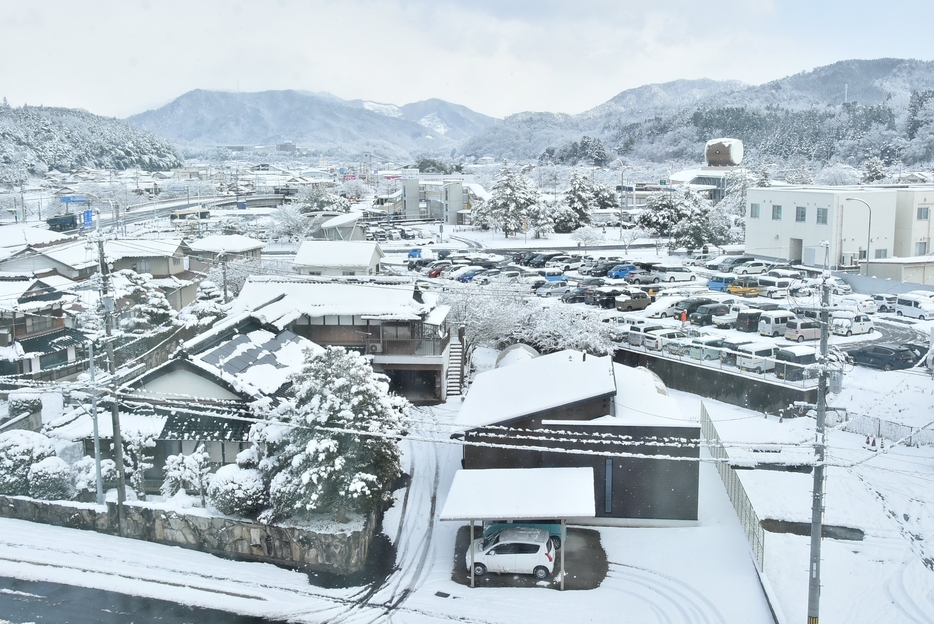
[[876, 427], [752, 527]]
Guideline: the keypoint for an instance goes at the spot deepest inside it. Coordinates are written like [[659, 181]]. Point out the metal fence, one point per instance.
[[878, 428], [752, 527]]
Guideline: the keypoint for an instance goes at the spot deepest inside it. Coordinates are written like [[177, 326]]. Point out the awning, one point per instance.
[[437, 316], [520, 494]]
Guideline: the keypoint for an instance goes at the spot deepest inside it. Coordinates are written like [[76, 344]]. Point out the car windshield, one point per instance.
[[489, 541]]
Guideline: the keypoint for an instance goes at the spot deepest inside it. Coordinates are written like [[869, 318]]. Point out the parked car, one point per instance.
[[513, 551], [728, 350], [632, 299], [468, 275], [552, 275], [592, 281], [852, 324], [785, 273], [775, 287], [728, 319], [672, 273], [637, 333], [690, 305], [753, 267], [664, 307], [796, 363], [860, 303], [745, 286], [885, 303], [774, 323], [705, 313], [700, 259], [553, 527], [600, 270], [919, 350], [575, 295], [658, 338], [565, 263], [553, 289], [915, 306], [539, 261], [641, 276], [799, 330], [605, 296], [620, 271], [706, 347], [758, 357], [748, 320], [885, 356], [725, 264], [720, 281], [837, 285]]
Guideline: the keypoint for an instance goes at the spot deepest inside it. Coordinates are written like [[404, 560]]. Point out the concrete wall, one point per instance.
[[339, 553]]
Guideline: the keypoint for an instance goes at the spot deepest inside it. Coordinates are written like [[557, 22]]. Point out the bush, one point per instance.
[[237, 492], [86, 475], [19, 450], [51, 479]]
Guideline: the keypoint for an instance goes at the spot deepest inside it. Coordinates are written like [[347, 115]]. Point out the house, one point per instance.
[[404, 330], [78, 260], [36, 337], [338, 258], [234, 246], [568, 409], [448, 198]]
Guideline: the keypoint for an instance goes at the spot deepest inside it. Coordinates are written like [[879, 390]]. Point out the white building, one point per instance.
[[338, 258], [913, 207], [789, 223], [446, 198]]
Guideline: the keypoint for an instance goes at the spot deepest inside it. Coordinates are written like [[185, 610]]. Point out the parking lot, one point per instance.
[[585, 562]]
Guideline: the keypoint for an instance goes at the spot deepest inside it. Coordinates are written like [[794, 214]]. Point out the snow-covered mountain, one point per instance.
[[35, 139], [316, 121]]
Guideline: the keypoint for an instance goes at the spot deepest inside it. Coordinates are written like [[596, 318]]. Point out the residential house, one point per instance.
[[404, 330], [338, 258], [78, 260], [234, 246], [594, 413]]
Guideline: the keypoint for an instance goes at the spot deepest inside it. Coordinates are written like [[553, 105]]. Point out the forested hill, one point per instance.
[[851, 109], [36, 139]]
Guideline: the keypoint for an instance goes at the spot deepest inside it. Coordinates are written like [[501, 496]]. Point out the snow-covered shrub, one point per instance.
[[86, 476], [237, 491], [137, 459], [19, 450], [191, 473], [51, 479]]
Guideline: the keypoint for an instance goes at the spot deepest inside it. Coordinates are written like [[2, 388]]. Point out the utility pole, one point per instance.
[[817, 503], [97, 437], [223, 258]]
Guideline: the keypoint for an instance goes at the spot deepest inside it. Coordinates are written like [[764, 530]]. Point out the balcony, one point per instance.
[[414, 346]]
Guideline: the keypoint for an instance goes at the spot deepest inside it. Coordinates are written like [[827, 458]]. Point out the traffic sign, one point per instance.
[[73, 199]]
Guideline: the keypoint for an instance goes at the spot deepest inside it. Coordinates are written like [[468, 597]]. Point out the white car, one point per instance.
[[565, 263], [837, 286], [855, 324], [553, 289], [658, 338], [753, 267], [862, 303], [885, 302], [520, 550]]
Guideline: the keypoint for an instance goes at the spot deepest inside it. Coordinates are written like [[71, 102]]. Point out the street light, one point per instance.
[[622, 189], [868, 230]]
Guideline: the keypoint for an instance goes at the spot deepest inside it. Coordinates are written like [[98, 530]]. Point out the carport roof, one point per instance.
[[520, 494]]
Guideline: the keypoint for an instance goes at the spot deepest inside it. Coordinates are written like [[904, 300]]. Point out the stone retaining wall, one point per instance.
[[293, 547]]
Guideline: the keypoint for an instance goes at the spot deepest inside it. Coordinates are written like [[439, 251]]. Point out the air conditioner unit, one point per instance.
[[376, 348]]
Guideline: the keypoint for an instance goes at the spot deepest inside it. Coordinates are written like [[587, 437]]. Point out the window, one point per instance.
[[801, 214], [882, 253], [176, 261], [348, 273], [822, 216], [921, 248], [924, 213], [608, 488], [753, 211], [776, 213]]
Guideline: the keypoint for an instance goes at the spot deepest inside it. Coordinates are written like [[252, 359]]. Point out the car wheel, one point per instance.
[[671, 279], [547, 294], [629, 308], [479, 569], [899, 313], [848, 333], [800, 338], [922, 318], [637, 282], [887, 367], [757, 370], [655, 281], [541, 573], [775, 335], [556, 542], [693, 277], [707, 357]]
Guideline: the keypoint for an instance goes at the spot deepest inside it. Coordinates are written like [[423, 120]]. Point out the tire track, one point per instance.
[[690, 604]]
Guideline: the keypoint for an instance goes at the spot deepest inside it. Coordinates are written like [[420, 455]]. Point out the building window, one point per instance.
[[753, 211], [348, 273], [924, 213], [176, 261], [776, 213], [314, 273], [921, 248], [801, 214], [882, 253], [608, 488], [822, 216]]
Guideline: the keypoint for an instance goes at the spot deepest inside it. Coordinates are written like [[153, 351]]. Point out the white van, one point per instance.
[[774, 287], [757, 357], [773, 323], [916, 306]]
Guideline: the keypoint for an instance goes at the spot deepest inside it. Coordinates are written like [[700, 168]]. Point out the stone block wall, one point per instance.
[[340, 553]]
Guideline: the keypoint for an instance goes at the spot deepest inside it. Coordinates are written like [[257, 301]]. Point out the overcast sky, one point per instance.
[[497, 57]]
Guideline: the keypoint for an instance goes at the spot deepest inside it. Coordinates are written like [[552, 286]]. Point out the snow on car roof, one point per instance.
[[506, 394], [520, 494]]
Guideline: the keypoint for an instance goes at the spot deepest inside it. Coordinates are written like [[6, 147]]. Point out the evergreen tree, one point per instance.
[[338, 452], [511, 199], [664, 210], [873, 170], [579, 200], [701, 224], [541, 217], [763, 177], [150, 307]]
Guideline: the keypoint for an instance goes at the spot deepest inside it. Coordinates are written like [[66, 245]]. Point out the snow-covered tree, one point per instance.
[[19, 450], [873, 170], [511, 199], [339, 452], [290, 221], [838, 174], [701, 224], [237, 491], [137, 459], [150, 308], [800, 176], [51, 479], [316, 198], [554, 328], [664, 210], [85, 470], [763, 177], [191, 473], [541, 217], [588, 236], [579, 200], [604, 198], [238, 271], [628, 237]]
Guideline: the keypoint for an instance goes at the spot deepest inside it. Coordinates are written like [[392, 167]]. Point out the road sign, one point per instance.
[[177, 188], [663, 182], [88, 218], [73, 199]]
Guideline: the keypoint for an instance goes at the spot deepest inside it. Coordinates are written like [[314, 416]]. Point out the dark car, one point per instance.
[[605, 296], [575, 295], [690, 305], [527, 257], [600, 270], [592, 282], [885, 356], [729, 347], [920, 350], [748, 320], [704, 314], [538, 262]]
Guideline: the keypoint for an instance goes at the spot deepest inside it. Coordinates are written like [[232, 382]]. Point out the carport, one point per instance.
[[520, 494]]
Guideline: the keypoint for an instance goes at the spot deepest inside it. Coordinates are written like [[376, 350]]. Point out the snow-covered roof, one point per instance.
[[141, 248], [281, 300], [520, 494], [337, 253], [479, 191], [525, 388], [21, 234], [643, 399], [343, 220], [229, 243]]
